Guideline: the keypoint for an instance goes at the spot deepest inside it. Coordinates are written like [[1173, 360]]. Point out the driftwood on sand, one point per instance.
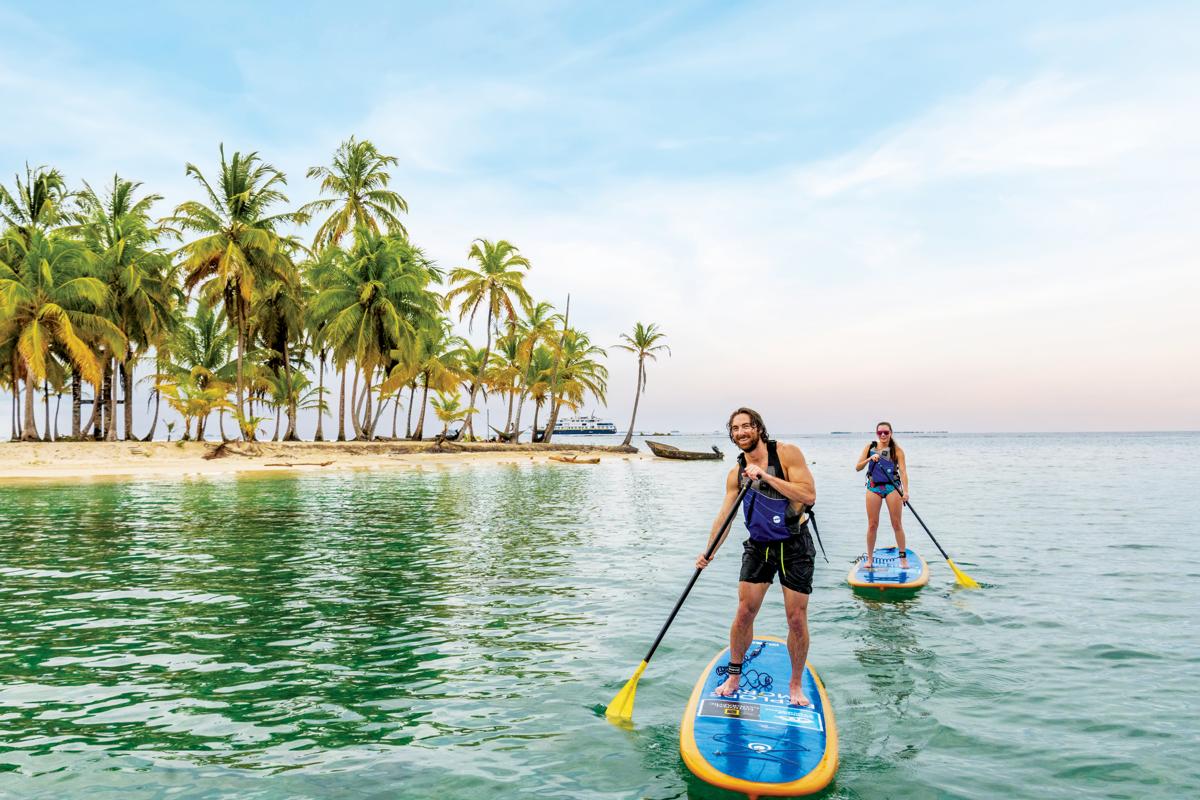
[[301, 464], [575, 459], [248, 449]]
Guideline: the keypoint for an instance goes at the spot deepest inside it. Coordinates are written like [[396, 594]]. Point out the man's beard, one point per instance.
[[753, 443]]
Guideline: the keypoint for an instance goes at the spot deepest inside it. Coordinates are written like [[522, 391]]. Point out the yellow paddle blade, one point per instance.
[[963, 578], [621, 708]]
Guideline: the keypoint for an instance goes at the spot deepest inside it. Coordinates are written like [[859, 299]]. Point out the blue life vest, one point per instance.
[[769, 515], [884, 471]]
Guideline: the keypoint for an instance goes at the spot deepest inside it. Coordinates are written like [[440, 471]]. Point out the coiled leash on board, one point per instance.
[[759, 681]]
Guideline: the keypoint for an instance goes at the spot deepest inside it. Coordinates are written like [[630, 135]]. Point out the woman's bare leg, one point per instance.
[[896, 512], [874, 502]]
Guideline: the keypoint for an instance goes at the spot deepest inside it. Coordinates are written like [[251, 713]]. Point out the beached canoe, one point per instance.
[[887, 578], [755, 741], [670, 451], [576, 459]]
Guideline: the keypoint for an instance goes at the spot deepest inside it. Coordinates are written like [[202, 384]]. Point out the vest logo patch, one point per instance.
[[776, 519]]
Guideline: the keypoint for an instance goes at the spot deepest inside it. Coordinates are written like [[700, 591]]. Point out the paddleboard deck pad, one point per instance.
[[888, 575], [755, 741]]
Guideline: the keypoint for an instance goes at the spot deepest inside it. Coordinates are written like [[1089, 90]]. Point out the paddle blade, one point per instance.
[[620, 710], [963, 578]]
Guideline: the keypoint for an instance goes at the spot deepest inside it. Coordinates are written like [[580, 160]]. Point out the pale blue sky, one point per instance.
[[953, 216]]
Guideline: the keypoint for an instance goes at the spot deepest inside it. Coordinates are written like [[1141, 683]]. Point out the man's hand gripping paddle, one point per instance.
[[620, 710]]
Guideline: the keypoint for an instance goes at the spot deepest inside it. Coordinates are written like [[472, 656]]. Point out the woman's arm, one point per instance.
[[863, 459]]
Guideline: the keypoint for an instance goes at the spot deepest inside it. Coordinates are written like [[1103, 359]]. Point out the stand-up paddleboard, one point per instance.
[[887, 578], [755, 741]]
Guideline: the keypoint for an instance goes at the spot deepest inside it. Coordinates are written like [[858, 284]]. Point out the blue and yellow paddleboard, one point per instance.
[[756, 741], [888, 579]]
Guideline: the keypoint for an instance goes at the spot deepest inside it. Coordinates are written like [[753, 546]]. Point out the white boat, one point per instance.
[[577, 426]]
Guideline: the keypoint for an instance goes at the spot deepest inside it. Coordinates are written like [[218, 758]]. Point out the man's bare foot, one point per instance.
[[796, 691], [729, 687]]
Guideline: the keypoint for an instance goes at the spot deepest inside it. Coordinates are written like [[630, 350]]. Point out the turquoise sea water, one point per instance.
[[452, 633]]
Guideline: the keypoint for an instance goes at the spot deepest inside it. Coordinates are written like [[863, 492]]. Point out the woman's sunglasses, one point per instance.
[[883, 433]]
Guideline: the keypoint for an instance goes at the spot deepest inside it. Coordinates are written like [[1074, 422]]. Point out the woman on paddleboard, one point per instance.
[[887, 472]]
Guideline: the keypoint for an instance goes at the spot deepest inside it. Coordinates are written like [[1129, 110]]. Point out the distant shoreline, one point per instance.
[[41, 461]]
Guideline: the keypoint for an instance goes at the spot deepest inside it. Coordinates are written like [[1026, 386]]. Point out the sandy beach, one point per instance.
[[21, 461]]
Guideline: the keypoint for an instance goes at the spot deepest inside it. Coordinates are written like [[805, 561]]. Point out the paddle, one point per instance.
[[620, 710], [963, 578]]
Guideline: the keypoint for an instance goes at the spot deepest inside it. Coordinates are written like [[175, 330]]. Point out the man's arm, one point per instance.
[[798, 485], [731, 493]]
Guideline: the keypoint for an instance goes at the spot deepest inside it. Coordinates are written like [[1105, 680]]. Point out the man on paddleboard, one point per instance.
[[776, 513]]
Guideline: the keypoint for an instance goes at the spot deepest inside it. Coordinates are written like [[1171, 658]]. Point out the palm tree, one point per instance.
[[358, 179], [495, 284], [645, 343], [375, 298], [448, 408], [538, 328], [239, 246], [577, 374], [118, 231], [46, 300], [36, 204], [200, 347], [280, 313], [436, 363]]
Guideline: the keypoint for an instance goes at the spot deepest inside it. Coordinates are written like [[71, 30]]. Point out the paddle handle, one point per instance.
[[712, 549]]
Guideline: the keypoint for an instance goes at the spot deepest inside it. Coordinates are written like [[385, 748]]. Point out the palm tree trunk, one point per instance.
[[420, 431], [221, 425], [396, 412], [512, 394], [93, 423], [16, 403], [320, 434], [637, 395], [46, 402], [29, 429], [354, 403], [554, 376], [243, 424], [149, 437], [412, 396], [278, 414], [110, 403], [341, 437], [537, 409], [76, 403], [290, 434], [517, 424], [475, 384], [367, 424], [127, 384], [57, 412]]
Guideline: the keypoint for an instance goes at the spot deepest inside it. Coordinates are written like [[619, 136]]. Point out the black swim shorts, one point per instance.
[[792, 558]]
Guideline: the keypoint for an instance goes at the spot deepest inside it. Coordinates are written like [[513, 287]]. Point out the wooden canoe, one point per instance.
[[671, 451]]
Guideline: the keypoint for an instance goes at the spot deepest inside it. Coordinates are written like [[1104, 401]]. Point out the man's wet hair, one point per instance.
[[755, 418]]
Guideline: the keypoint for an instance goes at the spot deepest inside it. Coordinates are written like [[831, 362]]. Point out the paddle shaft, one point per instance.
[[712, 549], [908, 505]]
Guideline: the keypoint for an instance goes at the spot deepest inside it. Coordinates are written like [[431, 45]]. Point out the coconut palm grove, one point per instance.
[[246, 311]]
